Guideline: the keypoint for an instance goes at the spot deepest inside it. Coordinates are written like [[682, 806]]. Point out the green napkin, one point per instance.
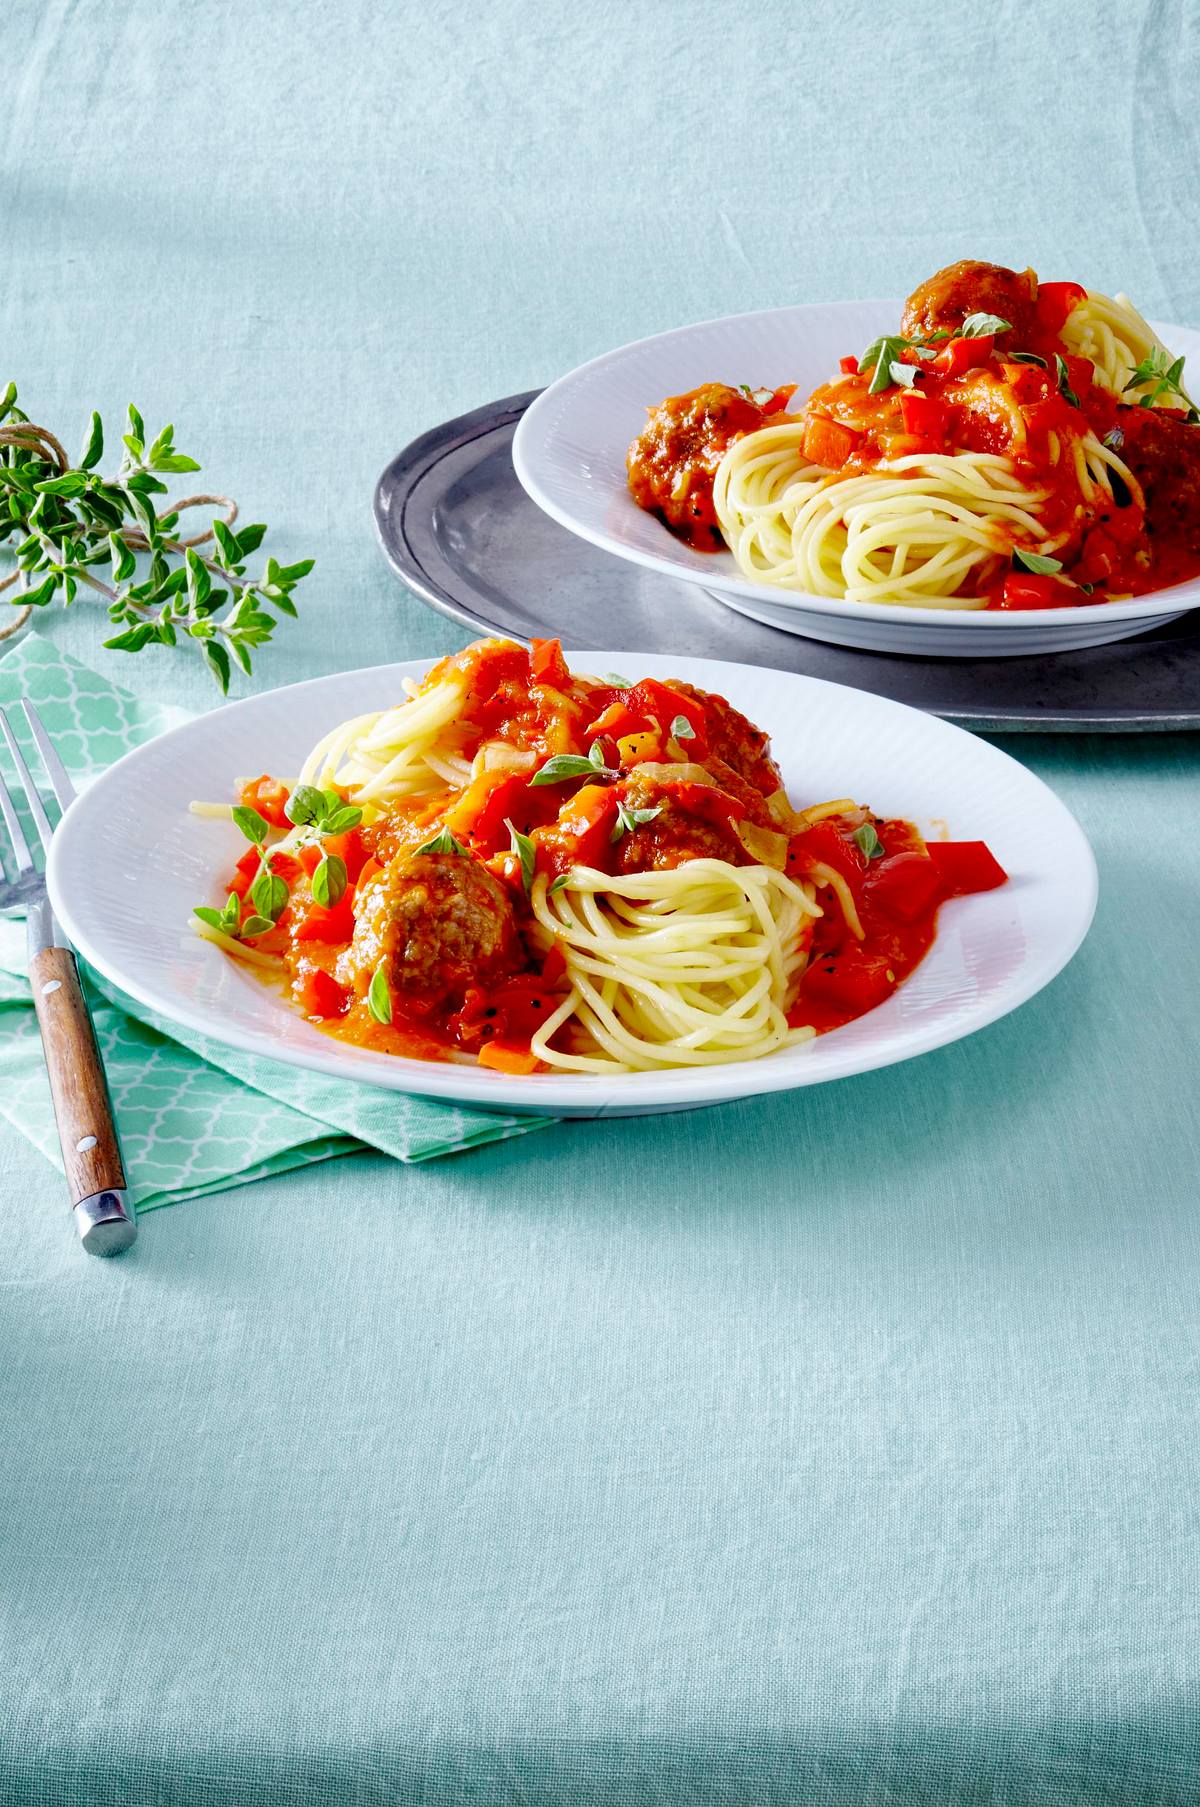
[[193, 1116]]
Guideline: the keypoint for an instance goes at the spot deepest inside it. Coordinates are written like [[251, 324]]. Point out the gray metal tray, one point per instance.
[[459, 529]]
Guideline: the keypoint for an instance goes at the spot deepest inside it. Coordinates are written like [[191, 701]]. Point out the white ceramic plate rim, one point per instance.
[[84, 835], [534, 464]]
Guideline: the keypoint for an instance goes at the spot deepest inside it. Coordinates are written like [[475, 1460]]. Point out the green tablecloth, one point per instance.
[[839, 1448]]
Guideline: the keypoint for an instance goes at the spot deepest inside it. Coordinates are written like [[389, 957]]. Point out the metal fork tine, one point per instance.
[[56, 772], [36, 806], [16, 833]]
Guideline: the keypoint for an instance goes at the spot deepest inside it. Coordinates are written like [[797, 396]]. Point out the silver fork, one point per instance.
[[104, 1215]]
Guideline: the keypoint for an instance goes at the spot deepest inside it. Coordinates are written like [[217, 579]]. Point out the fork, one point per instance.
[[104, 1215]]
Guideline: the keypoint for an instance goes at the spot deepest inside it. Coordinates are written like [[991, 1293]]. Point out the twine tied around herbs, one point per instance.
[[42, 441]]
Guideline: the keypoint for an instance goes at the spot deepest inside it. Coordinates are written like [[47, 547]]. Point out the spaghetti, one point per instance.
[[1013, 445], [1115, 339], [552, 872], [687, 967]]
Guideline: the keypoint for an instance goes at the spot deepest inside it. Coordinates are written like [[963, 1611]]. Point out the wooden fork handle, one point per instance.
[[86, 1131]]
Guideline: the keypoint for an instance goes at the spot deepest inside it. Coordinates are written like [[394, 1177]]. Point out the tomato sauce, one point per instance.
[[897, 884], [619, 777]]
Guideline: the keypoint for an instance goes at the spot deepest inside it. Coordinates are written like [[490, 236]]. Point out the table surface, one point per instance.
[[829, 1448]]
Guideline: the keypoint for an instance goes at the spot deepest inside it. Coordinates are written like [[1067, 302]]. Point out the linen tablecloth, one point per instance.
[[838, 1448]]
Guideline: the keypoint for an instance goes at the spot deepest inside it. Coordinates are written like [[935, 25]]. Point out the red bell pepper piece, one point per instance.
[[547, 665], [775, 404], [267, 796], [1029, 383], [1053, 415], [651, 701], [349, 847], [284, 865], [831, 845], [1081, 373], [962, 355], [554, 967], [245, 872], [925, 416], [488, 831], [848, 366], [851, 981], [335, 925], [618, 719], [903, 885], [963, 867], [1056, 302], [1033, 590], [318, 992], [508, 1016]]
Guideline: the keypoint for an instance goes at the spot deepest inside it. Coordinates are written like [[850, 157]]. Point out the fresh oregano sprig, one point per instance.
[[317, 814], [868, 842], [1063, 378], [325, 812], [884, 357], [1039, 562], [379, 996], [564, 766], [983, 326], [269, 893], [629, 819], [1166, 376], [524, 850], [229, 919], [69, 523], [444, 842]]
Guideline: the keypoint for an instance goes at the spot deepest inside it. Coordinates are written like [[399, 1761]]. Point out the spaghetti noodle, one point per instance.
[[552, 872]]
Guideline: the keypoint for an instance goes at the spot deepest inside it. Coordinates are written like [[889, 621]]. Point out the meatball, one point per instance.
[[736, 741], [1162, 449], [674, 459], [943, 302], [438, 922], [677, 833]]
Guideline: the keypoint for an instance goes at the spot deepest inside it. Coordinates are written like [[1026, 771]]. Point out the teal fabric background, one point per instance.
[[833, 1449]]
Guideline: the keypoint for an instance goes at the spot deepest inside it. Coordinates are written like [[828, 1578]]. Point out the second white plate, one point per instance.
[[569, 453]]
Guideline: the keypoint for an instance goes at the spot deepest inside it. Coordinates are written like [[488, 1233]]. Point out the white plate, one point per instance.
[[569, 453], [128, 862]]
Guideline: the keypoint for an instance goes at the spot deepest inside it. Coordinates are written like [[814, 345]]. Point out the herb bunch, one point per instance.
[[69, 523]]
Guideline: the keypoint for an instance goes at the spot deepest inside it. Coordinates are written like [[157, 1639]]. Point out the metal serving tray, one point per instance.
[[459, 529]]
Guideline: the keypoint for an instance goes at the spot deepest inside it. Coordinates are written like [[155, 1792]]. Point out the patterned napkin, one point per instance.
[[193, 1116]]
